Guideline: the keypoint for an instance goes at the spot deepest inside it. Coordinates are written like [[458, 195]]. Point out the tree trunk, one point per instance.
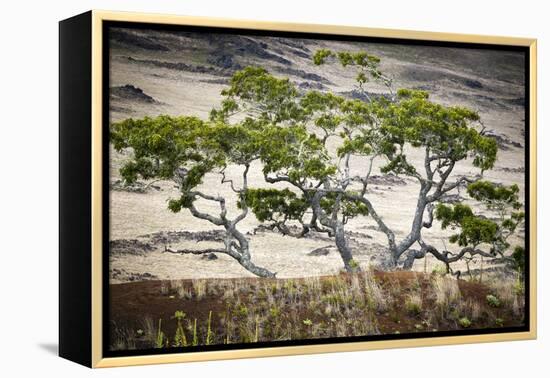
[[254, 269], [339, 234], [345, 251], [242, 255], [411, 255]]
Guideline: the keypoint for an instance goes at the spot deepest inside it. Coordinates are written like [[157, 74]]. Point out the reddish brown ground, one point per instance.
[[131, 303]]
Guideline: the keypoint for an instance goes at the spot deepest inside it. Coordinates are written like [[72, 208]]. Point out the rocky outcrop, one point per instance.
[[132, 39]]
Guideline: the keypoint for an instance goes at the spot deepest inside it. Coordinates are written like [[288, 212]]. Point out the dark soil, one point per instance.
[[132, 303]]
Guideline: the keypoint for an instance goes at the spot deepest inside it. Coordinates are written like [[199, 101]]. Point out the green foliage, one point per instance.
[[262, 96], [184, 202], [323, 109], [348, 208], [353, 264], [295, 151], [452, 216], [320, 56], [209, 333], [413, 308], [519, 259], [440, 270], [368, 64], [275, 204], [464, 322], [356, 146], [183, 149], [180, 340], [446, 131], [493, 301], [159, 145], [496, 197], [160, 340], [195, 334], [474, 230]]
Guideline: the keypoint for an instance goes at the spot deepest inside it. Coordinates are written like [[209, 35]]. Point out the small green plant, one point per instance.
[[439, 270], [394, 316], [242, 310], [257, 330], [464, 322], [200, 288], [413, 305], [519, 287], [499, 322], [195, 335], [180, 340], [274, 312], [159, 342], [307, 322], [454, 314], [493, 301], [209, 333], [413, 308]]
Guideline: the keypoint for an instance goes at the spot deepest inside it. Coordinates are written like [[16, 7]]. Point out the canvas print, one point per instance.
[[279, 189]]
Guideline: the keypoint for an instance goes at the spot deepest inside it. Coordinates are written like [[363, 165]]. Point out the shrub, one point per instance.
[[375, 293], [464, 322], [446, 291], [200, 288], [439, 270], [493, 301], [413, 305]]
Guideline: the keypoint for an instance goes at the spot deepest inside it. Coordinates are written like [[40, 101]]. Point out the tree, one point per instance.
[[479, 235], [291, 154], [406, 119], [184, 150], [379, 127]]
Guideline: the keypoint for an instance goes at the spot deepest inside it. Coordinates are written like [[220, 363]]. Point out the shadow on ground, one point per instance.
[[51, 348]]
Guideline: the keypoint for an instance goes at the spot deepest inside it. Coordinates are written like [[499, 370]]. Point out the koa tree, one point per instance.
[[184, 150]]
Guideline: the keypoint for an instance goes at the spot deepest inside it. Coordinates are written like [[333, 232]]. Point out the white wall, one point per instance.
[[28, 187]]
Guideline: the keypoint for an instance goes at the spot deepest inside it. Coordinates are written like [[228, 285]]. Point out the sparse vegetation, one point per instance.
[[314, 165], [357, 304]]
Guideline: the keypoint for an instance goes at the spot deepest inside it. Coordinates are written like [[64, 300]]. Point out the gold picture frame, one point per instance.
[[93, 325]]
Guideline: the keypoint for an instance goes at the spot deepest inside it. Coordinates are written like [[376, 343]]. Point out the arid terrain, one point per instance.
[[177, 73], [161, 299]]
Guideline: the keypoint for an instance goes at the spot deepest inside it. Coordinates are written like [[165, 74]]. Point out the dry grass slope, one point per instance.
[[187, 313]]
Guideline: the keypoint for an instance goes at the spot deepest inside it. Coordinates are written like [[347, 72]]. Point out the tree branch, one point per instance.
[[212, 219], [244, 206], [225, 180]]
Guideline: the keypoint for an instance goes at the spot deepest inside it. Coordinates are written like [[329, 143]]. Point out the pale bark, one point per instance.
[[235, 243]]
